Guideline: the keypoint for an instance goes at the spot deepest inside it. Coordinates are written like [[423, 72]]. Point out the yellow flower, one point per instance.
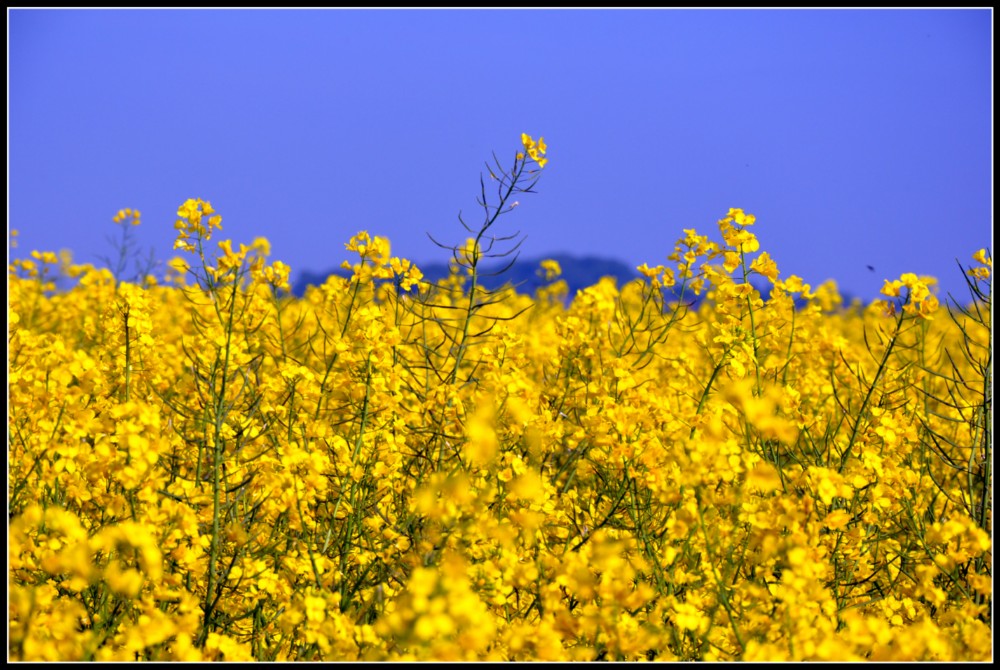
[[535, 149], [551, 269]]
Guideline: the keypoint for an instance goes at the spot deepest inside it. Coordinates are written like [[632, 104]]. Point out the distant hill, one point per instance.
[[577, 271]]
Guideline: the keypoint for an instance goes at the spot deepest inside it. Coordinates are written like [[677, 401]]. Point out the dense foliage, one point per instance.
[[205, 467]]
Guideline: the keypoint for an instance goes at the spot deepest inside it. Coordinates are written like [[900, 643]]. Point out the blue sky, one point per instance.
[[857, 137]]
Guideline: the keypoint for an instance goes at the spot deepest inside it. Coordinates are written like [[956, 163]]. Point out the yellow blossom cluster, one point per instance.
[[536, 150]]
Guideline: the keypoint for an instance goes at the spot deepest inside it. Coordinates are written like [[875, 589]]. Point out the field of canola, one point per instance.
[[205, 467]]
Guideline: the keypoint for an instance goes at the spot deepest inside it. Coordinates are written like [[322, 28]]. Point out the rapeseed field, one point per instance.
[[205, 467]]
